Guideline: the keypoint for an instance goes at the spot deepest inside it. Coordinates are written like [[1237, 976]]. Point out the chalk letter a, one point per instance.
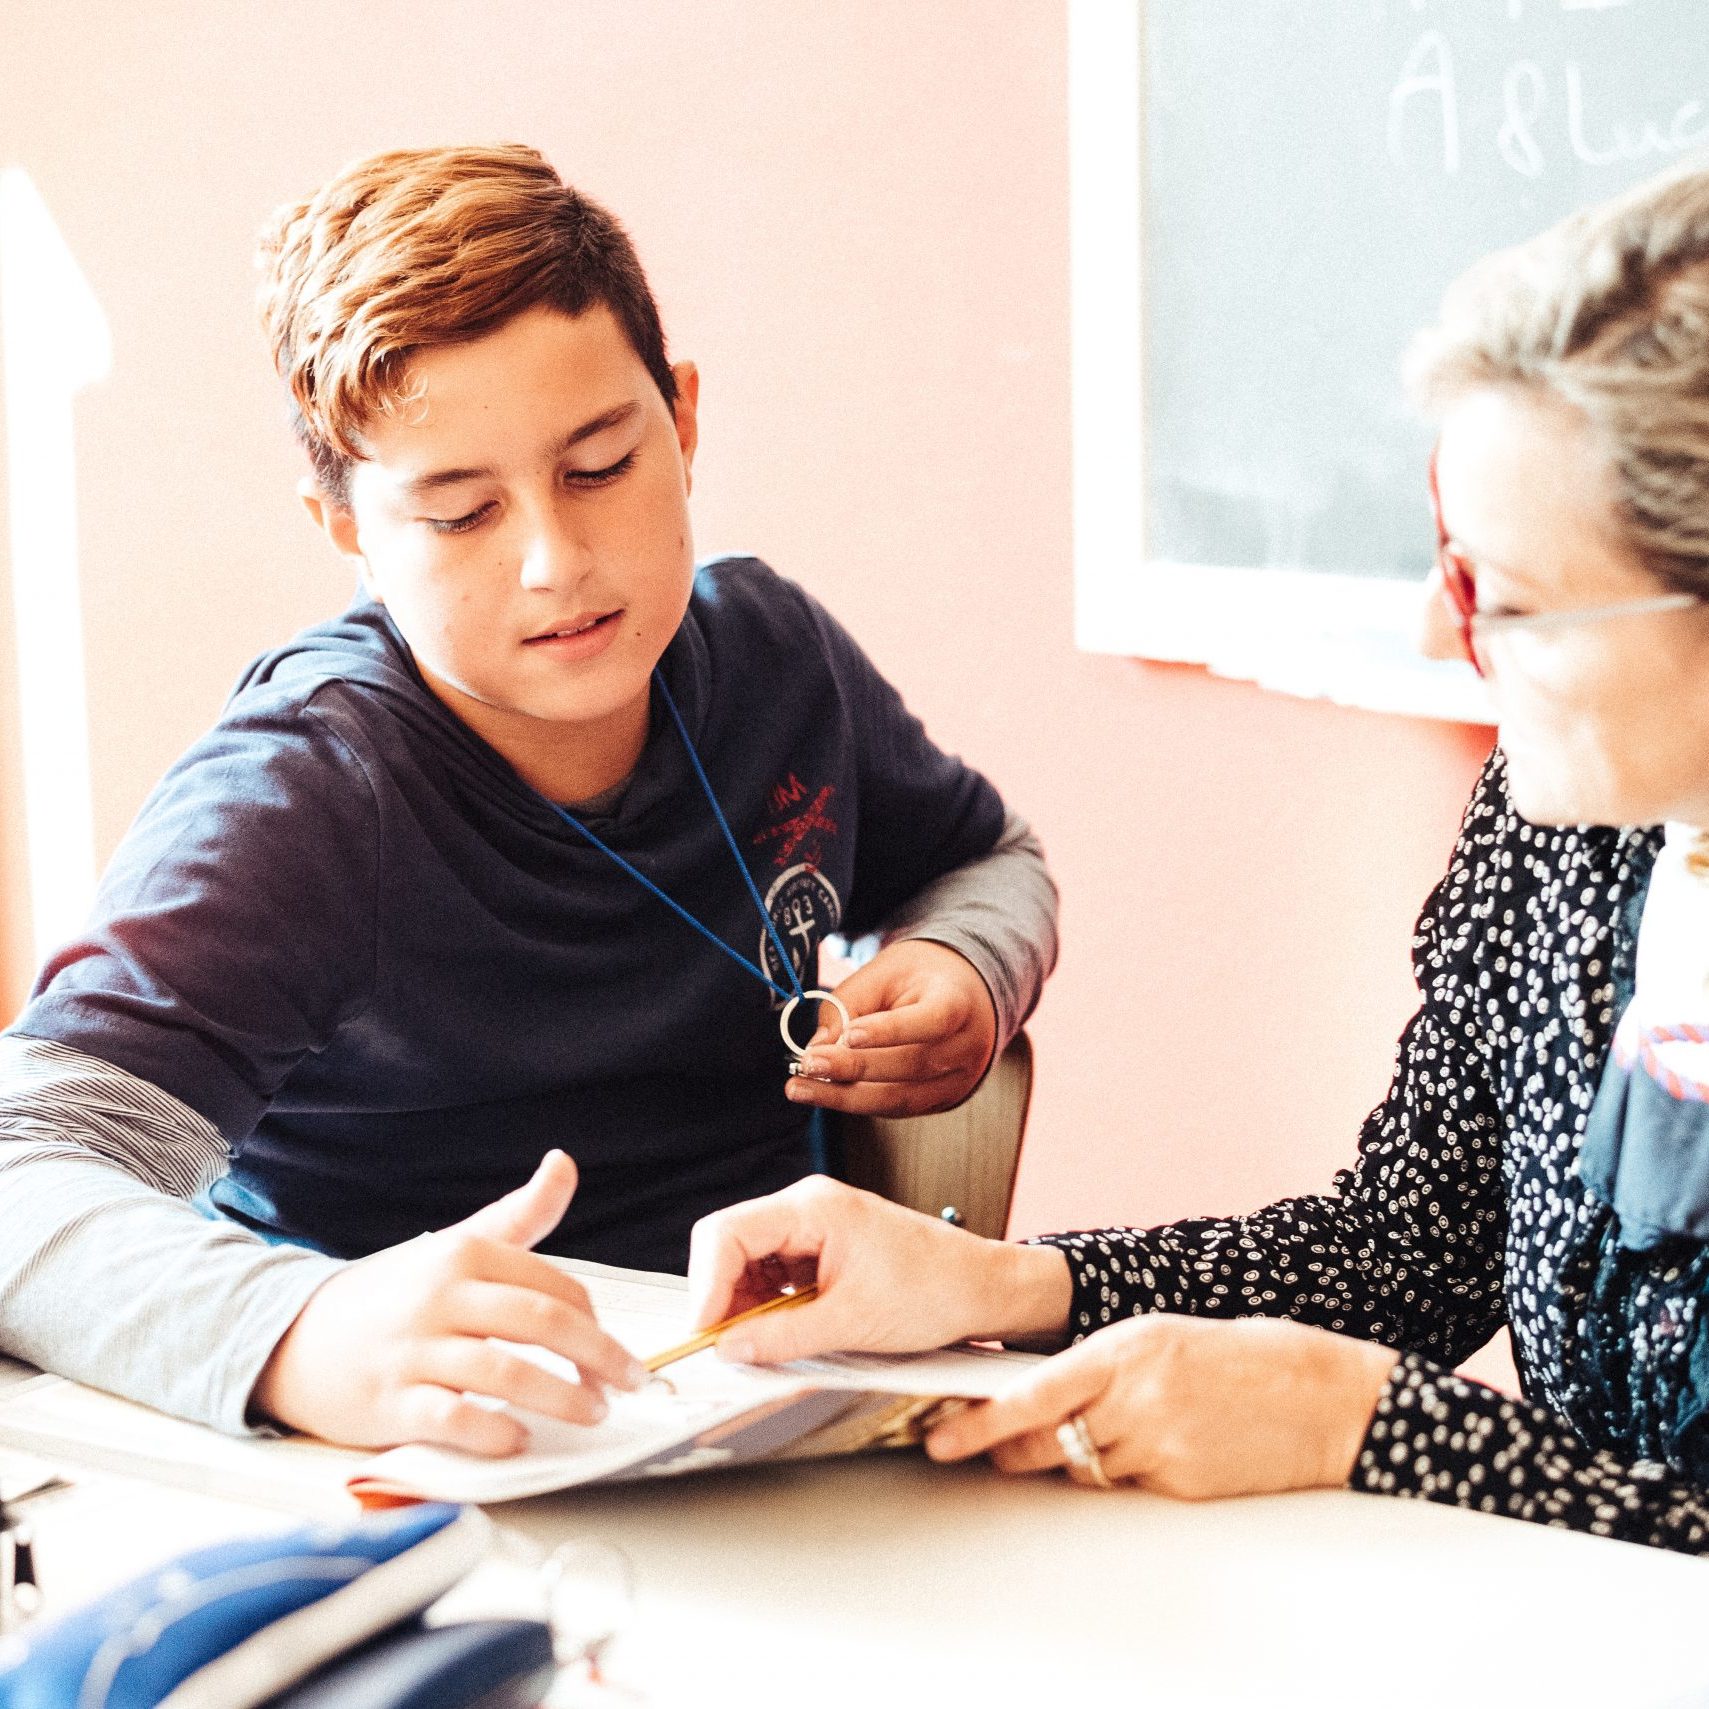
[[1429, 70]]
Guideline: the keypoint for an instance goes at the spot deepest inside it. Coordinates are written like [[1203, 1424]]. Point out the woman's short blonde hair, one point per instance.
[[1609, 312], [422, 247]]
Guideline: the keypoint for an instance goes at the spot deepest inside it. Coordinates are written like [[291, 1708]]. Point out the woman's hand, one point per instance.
[[393, 1346], [922, 1032], [890, 1280], [1191, 1407]]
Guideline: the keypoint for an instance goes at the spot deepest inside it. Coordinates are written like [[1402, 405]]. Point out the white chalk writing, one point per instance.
[[1523, 93], [1428, 72], [1615, 142], [1548, 117]]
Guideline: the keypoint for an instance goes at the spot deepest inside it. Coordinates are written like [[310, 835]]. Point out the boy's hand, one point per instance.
[[922, 1032], [392, 1347]]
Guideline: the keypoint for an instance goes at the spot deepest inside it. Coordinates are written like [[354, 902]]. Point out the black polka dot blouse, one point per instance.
[[1465, 1210]]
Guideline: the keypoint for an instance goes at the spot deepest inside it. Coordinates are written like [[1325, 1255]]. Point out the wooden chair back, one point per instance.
[[959, 1164]]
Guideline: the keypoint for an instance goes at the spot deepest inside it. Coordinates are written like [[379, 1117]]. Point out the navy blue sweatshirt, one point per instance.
[[346, 932]]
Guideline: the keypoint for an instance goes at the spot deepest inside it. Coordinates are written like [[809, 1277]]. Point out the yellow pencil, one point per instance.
[[706, 1337]]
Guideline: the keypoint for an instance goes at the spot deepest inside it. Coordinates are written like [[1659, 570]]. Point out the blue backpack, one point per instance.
[[324, 1617]]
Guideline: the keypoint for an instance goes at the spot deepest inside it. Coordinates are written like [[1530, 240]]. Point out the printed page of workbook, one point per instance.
[[701, 1413], [648, 1311], [647, 1435]]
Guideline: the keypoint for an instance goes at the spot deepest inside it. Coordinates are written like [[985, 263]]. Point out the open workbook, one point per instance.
[[699, 1414]]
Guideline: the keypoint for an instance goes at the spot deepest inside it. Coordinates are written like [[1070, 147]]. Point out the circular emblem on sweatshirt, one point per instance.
[[805, 910]]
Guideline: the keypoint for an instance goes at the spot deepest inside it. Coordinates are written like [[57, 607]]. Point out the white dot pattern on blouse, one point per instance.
[[1465, 1211]]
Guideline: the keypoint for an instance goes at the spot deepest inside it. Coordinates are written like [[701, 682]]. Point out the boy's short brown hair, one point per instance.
[[421, 247]]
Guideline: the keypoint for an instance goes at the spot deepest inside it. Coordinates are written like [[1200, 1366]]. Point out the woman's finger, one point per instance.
[[727, 1247], [1119, 1456], [1032, 1451], [1052, 1392], [796, 1273], [766, 1280]]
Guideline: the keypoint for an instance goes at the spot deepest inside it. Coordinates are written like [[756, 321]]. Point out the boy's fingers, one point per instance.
[[884, 1097], [516, 1266], [871, 986], [899, 1062], [429, 1413], [484, 1368], [526, 1216], [912, 1022], [535, 1320]]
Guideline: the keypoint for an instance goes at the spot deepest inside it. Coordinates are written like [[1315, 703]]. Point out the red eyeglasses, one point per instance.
[[1460, 585]]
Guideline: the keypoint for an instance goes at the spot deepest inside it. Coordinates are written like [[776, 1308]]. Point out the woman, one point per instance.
[[1531, 1164]]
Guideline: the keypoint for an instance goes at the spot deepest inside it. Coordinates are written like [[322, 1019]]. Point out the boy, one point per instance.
[[449, 885]]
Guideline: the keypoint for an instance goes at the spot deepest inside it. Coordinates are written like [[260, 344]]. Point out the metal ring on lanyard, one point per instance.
[[800, 1050]]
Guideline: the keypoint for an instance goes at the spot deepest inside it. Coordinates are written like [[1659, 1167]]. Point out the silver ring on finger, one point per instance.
[[1074, 1437]]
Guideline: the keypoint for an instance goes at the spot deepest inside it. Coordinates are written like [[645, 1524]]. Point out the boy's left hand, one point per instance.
[[923, 1030]]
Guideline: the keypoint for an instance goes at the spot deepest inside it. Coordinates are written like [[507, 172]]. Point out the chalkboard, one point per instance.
[[1315, 172]]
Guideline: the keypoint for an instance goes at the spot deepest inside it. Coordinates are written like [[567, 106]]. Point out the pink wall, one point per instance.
[[855, 215]]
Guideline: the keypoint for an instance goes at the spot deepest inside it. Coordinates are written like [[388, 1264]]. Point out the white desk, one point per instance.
[[890, 1581]]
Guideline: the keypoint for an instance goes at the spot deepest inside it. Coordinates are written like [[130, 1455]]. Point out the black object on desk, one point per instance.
[[478, 1664], [18, 1593]]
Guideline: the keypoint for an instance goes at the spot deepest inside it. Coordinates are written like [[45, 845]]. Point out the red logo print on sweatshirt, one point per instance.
[[798, 838]]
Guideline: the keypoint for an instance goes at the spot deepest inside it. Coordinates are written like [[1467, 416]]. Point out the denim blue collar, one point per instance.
[[1646, 1142]]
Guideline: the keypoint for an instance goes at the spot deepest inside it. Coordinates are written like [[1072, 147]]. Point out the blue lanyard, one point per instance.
[[741, 865]]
